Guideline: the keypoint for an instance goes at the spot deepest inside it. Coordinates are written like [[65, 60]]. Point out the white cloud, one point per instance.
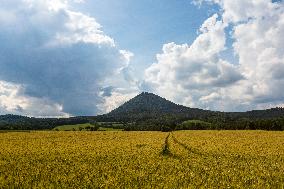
[[195, 74], [52, 55], [58, 56], [82, 28], [13, 100], [187, 74], [259, 37], [115, 98]]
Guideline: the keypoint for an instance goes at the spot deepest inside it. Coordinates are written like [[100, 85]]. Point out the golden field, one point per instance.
[[187, 159]]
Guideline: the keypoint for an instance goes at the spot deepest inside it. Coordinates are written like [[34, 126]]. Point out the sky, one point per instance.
[[61, 58]]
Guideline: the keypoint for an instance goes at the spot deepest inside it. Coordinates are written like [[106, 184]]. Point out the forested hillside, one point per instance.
[[16, 122], [147, 106], [148, 111]]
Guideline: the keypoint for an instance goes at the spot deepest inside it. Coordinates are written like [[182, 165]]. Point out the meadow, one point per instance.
[[85, 126], [180, 159]]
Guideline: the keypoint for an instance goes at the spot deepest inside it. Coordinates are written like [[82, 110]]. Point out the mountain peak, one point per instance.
[[148, 105], [149, 102], [146, 102], [145, 94]]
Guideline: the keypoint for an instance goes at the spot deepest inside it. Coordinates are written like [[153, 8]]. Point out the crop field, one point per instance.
[[181, 159]]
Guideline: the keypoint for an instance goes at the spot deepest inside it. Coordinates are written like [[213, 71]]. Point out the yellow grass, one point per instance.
[[209, 159]]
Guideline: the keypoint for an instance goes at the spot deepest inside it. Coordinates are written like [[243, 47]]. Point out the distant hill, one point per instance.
[[148, 111], [259, 114], [148, 106], [148, 102]]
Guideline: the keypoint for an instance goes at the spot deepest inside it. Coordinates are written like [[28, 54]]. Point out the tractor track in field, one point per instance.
[[197, 151], [207, 154], [188, 148], [166, 147], [166, 151]]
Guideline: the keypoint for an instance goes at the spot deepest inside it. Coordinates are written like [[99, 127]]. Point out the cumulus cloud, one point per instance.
[[259, 36], [196, 75], [57, 61], [194, 71], [13, 100], [114, 97], [56, 54]]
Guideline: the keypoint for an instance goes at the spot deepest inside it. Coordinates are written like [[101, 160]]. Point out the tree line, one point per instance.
[[16, 122]]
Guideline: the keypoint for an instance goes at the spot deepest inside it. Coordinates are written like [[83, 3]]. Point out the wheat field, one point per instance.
[[182, 159]]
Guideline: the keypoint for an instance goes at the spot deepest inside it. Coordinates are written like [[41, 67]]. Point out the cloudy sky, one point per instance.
[[85, 57]]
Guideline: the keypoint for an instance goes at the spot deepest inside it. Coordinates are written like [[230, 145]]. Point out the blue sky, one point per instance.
[[144, 26], [60, 58]]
